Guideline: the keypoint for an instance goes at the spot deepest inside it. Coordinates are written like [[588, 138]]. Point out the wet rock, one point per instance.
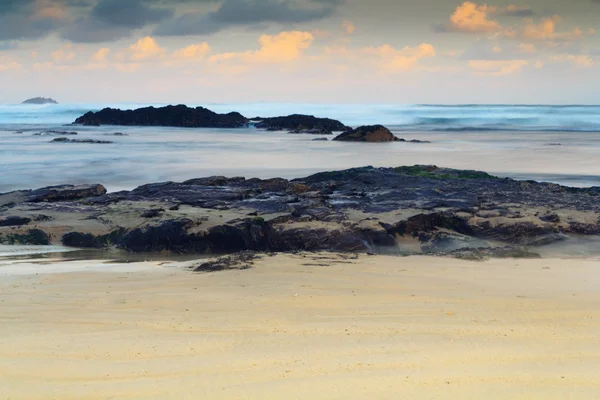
[[240, 261], [371, 134], [482, 254], [550, 218], [33, 237], [65, 193], [14, 221], [152, 213]]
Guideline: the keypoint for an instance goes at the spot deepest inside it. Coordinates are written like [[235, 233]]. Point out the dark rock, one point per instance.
[[297, 123], [371, 134], [324, 139], [550, 218], [82, 240], [33, 237], [152, 213], [411, 141], [65, 193], [481, 254], [240, 261], [40, 100], [14, 221], [179, 116], [93, 141]]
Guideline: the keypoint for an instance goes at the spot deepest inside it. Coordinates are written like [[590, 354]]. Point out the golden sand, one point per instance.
[[306, 327]]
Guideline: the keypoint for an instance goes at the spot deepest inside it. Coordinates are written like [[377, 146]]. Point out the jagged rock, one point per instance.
[[437, 210], [65, 193], [371, 134], [179, 116], [297, 123]]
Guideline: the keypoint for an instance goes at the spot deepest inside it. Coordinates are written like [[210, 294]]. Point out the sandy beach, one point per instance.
[[302, 326]]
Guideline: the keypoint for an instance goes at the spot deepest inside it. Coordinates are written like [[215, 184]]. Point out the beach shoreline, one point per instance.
[[318, 325]]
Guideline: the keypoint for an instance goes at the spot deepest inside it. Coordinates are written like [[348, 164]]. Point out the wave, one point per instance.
[[422, 118]]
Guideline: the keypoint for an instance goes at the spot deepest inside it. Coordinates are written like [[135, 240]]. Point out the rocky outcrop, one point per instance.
[[412, 210], [370, 134], [298, 123], [177, 116], [40, 100], [64, 193]]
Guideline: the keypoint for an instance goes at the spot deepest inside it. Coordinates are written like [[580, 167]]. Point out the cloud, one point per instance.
[[145, 48], [64, 54], [527, 48], [393, 60], [49, 9], [471, 18], [7, 64], [545, 30], [247, 13], [583, 60], [517, 11], [282, 48], [496, 67], [101, 55], [114, 19], [348, 27], [192, 52]]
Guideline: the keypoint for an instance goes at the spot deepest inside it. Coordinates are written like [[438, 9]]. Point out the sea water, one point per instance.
[[551, 143]]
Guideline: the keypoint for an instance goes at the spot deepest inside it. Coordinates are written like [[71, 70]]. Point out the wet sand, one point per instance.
[[300, 327]]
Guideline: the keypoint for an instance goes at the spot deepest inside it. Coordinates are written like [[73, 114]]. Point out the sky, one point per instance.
[[301, 51]]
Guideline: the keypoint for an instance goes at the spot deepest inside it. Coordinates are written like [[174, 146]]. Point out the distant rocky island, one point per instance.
[[40, 100], [186, 117]]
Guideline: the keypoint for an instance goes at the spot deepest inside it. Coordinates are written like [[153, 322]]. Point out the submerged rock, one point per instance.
[[91, 141]]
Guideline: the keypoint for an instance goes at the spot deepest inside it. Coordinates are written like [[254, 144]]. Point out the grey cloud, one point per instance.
[[21, 27], [247, 13], [114, 19]]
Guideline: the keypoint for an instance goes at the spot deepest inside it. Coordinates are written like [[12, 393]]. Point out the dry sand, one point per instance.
[[312, 327]]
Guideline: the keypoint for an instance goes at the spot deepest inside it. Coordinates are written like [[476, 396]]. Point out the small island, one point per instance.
[[40, 100]]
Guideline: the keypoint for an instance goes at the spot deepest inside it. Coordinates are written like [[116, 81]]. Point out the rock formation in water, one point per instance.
[[40, 100], [371, 134], [177, 116], [298, 123], [427, 209]]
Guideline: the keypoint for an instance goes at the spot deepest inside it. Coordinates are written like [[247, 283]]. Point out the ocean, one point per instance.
[[558, 144]]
